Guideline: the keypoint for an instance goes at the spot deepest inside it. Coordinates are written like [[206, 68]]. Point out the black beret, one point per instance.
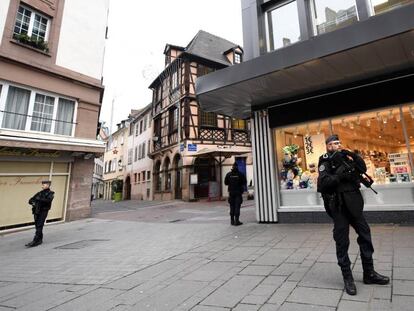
[[331, 138]]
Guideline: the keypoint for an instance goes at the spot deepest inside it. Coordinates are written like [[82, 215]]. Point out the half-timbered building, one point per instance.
[[192, 150]]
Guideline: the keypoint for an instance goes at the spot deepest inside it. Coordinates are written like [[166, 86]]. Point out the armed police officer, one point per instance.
[[41, 203], [339, 184], [236, 182]]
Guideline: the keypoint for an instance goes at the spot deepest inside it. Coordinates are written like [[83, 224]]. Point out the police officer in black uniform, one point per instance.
[[41, 203], [343, 202], [236, 183]]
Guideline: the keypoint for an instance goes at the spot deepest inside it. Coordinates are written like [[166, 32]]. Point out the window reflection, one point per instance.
[[283, 25], [329, 15], [380, 6]]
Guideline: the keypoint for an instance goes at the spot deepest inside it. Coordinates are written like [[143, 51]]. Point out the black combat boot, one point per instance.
[[34, 243], [350, 287], [232, 220], [237, 222], [373, 277], [349, 282]]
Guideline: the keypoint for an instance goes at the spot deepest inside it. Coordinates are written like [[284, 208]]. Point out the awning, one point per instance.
[[219, 152], [364, 51]]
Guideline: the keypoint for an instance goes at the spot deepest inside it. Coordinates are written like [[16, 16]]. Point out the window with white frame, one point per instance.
[[237, 58], [31, 110], [31, 23], [136, 154], [130, 156]]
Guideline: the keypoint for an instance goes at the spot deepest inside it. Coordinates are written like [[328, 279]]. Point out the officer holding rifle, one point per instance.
[[340, 174]]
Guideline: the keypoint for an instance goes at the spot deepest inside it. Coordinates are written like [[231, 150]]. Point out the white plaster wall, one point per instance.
[[4, 8], [82, 37]]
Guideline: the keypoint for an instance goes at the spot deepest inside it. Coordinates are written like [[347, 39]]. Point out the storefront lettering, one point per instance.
[[6, 151], [21, 181]]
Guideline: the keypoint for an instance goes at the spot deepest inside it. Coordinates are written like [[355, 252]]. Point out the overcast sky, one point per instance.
[[138, 32]]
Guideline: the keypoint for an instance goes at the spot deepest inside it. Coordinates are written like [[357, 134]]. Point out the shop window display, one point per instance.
[[378, 136]]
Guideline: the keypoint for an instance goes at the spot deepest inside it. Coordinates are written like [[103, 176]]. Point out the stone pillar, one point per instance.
[[79, 197]]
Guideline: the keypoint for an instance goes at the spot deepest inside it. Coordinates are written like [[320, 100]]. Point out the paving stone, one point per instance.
[[282, 293], [346, 305], [274, 257], [209, 272], [323, 275], [323, 297], [233, 291], [263, 290], [286, 269], [289, 306], [254, 300], [246, 307], [209, 308], [402, 303], [403, 287], [298, 274], [269, 307], [93, 300], [403, 274], [274, 280], [381, 305], [170, 297], [257, 270], [382, 292], [403, 257]]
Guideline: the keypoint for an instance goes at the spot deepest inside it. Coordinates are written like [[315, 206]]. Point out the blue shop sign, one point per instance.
[[192, 147]]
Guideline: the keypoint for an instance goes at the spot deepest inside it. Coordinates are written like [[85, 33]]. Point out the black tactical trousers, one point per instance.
[[342, 219], [40, 219], [235, 201]]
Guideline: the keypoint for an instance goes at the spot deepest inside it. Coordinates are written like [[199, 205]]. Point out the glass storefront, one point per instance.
[[383, 138]]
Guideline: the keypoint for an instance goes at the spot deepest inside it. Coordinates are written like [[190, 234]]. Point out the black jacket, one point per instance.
[[43, 199], [235, 181], [338, 186]]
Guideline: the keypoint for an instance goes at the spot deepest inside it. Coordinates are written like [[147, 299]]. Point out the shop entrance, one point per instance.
[[205, 168], [128, 188], [178, 187], [19, 181]]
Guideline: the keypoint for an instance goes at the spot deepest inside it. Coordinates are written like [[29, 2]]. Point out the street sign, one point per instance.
[[192, 147]]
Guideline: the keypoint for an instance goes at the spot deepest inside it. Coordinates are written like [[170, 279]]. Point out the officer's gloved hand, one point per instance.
[[348, 153]]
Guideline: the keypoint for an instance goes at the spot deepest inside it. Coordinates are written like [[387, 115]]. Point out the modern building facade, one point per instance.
[[313, 68], [51, 58], [115, 160], [138, 173], [192, 149]]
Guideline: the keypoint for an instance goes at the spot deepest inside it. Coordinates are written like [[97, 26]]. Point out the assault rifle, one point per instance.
[[355, 169]]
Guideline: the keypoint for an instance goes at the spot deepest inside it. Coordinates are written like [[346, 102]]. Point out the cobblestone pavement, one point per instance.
[[123, 260]]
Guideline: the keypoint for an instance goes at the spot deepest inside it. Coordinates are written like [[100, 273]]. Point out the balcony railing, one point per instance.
[[216, 134]]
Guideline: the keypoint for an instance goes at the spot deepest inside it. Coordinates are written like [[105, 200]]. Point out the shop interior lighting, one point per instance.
[[384, 119], [295, 134], [369, 122], [398, 117], [412, 112], [351, 125]]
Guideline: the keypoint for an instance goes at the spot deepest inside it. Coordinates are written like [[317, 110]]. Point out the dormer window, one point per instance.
[[237, 58], [31, 28]]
